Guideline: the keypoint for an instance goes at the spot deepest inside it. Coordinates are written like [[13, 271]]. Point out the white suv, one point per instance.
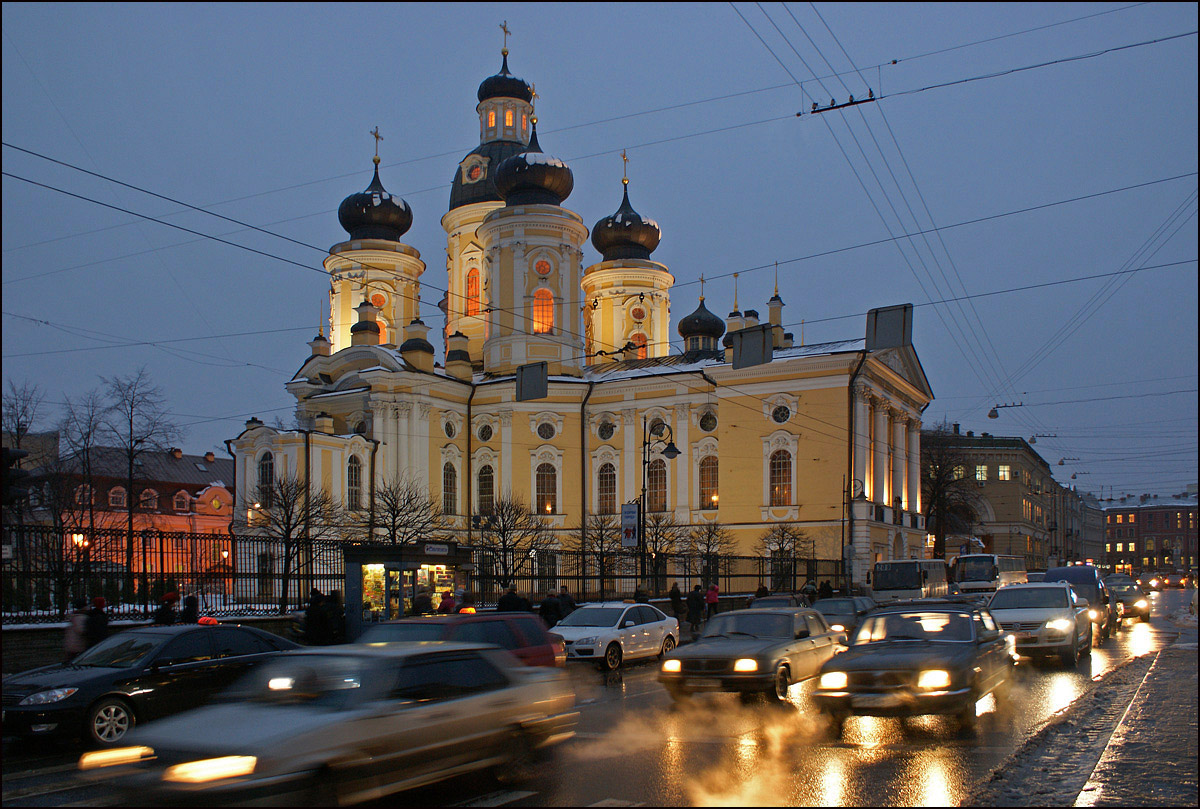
[[1046, 618]]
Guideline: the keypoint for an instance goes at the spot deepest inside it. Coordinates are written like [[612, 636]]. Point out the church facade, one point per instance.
[[824, 438]]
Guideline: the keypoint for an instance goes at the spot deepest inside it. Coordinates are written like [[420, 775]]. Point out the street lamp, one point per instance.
[[994, 412], [651, 439]]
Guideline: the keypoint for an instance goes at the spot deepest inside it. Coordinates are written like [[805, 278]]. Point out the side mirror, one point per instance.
[[1083, 603], [627, 624], [801, 634]]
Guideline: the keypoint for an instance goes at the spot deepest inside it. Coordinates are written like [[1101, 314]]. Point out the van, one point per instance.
[[1088, 583], [987, 572], [902, 579]]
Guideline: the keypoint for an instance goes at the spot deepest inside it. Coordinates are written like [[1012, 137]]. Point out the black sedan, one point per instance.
[[752, 652], [844, 613], [914, 659], [133, 676], [1131, 600]]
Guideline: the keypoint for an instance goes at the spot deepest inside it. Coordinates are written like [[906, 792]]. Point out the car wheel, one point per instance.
[[783, 679], [109, 720], [612, 657], [668, 645], [523, 761], [966, 717], [1070, 657], [321, 790], [837, 723]]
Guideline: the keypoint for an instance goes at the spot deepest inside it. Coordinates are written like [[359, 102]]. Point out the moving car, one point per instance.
[[937, 657], [754, 652], [610, 632], [343, 724], [1176, 579], [844, 614], [1131, 600], [134, 676], [1045, 618], [1151, 580], [781, 600], [522, 633], [1087, 583]]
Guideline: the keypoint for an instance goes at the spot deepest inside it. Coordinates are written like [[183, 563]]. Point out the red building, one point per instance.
[[1150, 533]]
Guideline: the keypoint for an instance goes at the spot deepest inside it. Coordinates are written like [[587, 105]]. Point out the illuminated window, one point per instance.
[[1004, 472], [473, 291], [1132, 547], [181, 501], [449, 489], [116, 497], [543, 312], [1178, 519], [486, 487], [547, 489], [960, 472], [353, 483], [656, 485], [1110, 519], [639, 340], [524, 122], [1131, 518], [708, 482], [1120, 519], [149, 499], [491, 118], [608, 490], [508, 117], [1120, 547], [981, 472], [1108, 547], [781, 478]]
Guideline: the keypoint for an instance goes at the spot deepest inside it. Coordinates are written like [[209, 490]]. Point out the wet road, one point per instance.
[[634, 747]]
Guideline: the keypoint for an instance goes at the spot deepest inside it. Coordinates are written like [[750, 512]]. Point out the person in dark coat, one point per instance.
[[676, 601], [640, 595], [447, 605], [510, 601], [695, 608], [825, 590], [166, 614], [95, 629], [76, 636], [337, 616], [190, 613], [566, 604], [550, 610], [423, 602], [761, 591], [317, 631]]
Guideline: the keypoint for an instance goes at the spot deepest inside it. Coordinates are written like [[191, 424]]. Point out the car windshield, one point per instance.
[[974, 568], [1125, 589], [593, 616], [122, 651], [835, 606], [898, 626], [1029, 598], [330, 681], [404, 631], [774, 601], [896, 576], [760, 625]]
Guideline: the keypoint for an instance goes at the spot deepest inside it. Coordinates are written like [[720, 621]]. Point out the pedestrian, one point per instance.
[[190, 613], [712, 599], [676, 601], [76, 637], [336, 611], [510, 601], [566, 604], [640, 596], [447, 605], [166, 614], [549, 610], [761, 591], [423, 602], [695, 608], [316, 620], [467, 604], [825, 590], [96, 627]]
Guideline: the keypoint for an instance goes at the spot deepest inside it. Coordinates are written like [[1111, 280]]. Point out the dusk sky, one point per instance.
[[1084, 311]]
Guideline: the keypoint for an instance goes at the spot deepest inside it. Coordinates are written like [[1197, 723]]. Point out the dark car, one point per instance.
[[521, 633], [1177, 579], [936, 657], [131, 677], [753, 652], [1086, 581], [1131, 600], [844, 613], [778, 600], [1151, 580]]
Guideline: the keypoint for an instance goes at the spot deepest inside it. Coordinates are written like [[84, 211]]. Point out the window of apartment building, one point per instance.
[[1003, 472], [960, 472], [1120, 519], [1120, 547], [1132, 547], [1132, 517], [1108, 547], [656, 486], [449, 489], [1178, 519], [116, 497], [1110, 519], [608, 489], [181, 501], [981, 472], [149, 500]]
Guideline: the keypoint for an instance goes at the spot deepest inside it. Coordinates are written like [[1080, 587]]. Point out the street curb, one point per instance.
[[1085, 723]]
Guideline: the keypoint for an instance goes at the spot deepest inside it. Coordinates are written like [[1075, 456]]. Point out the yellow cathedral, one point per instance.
[[824, 438]]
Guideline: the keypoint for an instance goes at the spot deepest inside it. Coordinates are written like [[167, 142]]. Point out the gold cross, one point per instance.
[[777, 279], [378, 137], [533, 95], [735, 303], [701, 286], [504, 28]]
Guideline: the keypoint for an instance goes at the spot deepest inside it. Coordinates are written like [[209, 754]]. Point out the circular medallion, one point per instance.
[[485, 432], [708, 422], [542, 267], [216, 503], [781, 414], [474, 173], [607, 428], [637, 313], [546, 430], [449, 430], [378, 300]]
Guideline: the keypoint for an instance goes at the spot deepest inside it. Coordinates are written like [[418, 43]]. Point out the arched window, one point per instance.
[[708, 482], [607, 502], [656, 485], [639, 340], [266, 480], [116, 497], [491, 118], [83, 494], [473, 291], [543, 312], [354, 483], [781, 478], [181, 501], [149, 500], [547, 489], [383, 330], [508, 117], [486, 488], [449, 489]]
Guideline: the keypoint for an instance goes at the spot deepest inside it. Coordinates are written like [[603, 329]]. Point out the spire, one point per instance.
[[776, 279], [701, 286], [735, 301], [625, 171], [378, 137]]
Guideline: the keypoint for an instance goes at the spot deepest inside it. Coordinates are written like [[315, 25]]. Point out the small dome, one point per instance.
[[482, 186], [504, 85], [457, 355], [416, 344], [532, 177], [626, 234], [701, 323], [374, 213]]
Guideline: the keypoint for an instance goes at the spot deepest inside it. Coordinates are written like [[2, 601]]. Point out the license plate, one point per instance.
[[705, 684], [875, 701]]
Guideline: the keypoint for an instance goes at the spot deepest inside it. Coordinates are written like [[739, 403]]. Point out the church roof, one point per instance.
[[484, 189]]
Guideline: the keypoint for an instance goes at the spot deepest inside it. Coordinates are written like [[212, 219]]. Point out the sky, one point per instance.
[[1025, 176]]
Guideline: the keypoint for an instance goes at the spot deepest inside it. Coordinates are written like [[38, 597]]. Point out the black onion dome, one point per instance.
[[504, 85], [626, 234], [532, 177], [701, 323], [375, 214], [483, 189], [416, 344]]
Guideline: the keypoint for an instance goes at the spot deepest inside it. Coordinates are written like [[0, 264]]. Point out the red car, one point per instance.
[[521, 633]]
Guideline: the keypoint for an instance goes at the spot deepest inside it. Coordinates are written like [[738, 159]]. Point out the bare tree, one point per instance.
[[663, 536], [513, 534], [603, 543], [710, 541], [948, 493], [405, 511], [783, 543], [138, 423], [20, 412], [298, 516]]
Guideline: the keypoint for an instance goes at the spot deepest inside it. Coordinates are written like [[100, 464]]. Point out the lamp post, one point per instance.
[[670, 452]]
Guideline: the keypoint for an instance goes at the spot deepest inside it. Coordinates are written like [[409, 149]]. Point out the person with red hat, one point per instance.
[[95, 628], [166, 615]]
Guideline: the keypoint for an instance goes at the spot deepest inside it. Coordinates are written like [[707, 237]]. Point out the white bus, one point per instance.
[[902, 579], [987, 572]]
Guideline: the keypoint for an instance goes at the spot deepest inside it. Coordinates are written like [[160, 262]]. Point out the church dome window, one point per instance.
[[449, 428], [546, 431], [708, 422], [639, 342], [607, 428], [543, 312], [781, 414], [378, 300], [637, 313], [473, 291], [508, 117], [542, 267], [485, 432], [491, 118]]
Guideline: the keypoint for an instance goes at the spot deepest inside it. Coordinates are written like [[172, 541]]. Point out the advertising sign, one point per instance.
[[629, 525]]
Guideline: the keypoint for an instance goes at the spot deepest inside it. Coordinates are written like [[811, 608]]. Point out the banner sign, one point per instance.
[[629, 525]]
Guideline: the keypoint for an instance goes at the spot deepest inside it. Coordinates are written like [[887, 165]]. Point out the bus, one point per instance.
[[901, 579], [987, 572]]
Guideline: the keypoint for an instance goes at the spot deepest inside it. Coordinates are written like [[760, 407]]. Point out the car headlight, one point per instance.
[[672, 665], [1059, 625], [47, 697], [111, 758], [586, 641], [933, 678], [834, 679], [1154, 582], [210, 769], [1142, 604], [1093, 614], [837, 627], [745, 664]]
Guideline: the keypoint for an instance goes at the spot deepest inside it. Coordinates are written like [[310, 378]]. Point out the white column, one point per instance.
[[683, 464], [914, 466], [861, 414], [899, 456], [632, 457], [879, 487], [503, 486], [421, 468]]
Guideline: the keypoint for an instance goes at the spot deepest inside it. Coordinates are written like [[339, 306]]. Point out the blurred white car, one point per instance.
[[610, 632], [345, 724], [1045, 618]]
